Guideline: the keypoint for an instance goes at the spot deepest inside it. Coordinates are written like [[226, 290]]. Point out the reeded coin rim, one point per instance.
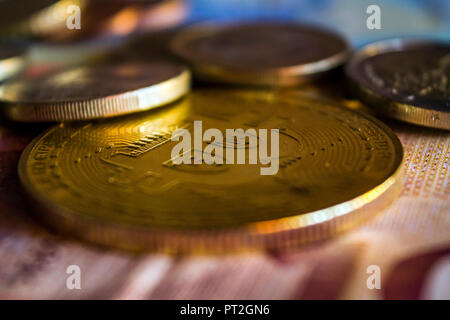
[[281, 76], [282, 233], [141, 99], [409, 112]]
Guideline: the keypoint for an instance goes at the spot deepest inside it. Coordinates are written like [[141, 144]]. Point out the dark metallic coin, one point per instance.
[[406, 80], [276, 53]]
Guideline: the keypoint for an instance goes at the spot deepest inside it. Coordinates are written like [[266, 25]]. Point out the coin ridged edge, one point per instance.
[[132, 101]]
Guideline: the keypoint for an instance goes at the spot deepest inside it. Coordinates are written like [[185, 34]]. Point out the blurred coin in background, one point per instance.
[[114, 181], [145, 31], [93, 14], [110, 35], [21, 18], [259, 53], [12, 59], [122, 18], [50, 20], [404, 79], [93, 91]]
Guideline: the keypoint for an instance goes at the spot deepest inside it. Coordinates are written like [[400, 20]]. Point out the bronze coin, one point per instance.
[[275, 53]]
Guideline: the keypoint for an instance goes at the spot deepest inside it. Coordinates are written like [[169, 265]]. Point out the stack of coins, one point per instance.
[[108, 172]]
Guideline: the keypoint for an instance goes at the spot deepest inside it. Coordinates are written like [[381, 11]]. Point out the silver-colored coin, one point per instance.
[[405, 79]]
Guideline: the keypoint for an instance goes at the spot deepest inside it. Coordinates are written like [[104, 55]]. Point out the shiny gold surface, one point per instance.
[[112, 181], [94, 91], [283, 54], [405, 79]]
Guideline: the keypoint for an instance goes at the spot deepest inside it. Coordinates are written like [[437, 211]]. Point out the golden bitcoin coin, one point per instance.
[[116, 182], [405, 79], [11, 60], [88, 92], [276, 53]]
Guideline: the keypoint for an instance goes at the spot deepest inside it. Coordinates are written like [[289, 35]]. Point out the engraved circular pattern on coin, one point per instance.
[[11, 59], [405, 79], [113, 181], [276, 53], [89, 92]]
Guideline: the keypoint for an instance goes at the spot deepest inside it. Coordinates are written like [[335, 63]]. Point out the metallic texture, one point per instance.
[[89, 92], [405, 79], [270, 53], [113, 182]]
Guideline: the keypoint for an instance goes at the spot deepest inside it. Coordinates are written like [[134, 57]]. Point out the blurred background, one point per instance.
[[398, 17], [105, 26], [41, 27], [110, 21]]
